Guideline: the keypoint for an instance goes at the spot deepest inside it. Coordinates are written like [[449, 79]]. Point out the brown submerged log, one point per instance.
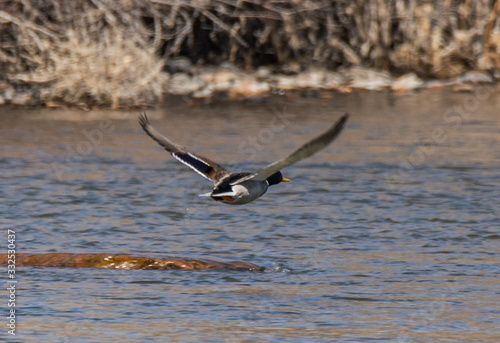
[[116, 261]]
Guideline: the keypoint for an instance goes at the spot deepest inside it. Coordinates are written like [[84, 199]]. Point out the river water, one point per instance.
[[390, 234]]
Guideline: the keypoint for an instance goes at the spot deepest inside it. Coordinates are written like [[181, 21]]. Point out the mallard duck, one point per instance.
[[241, 188]]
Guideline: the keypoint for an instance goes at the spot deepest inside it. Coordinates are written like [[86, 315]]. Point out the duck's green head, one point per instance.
[[276, 178]]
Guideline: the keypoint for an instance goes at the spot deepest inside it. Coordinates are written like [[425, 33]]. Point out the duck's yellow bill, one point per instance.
[[285, 179]]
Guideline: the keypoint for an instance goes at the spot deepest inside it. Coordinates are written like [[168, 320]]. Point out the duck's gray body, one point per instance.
[[241, 193], [241, 188]]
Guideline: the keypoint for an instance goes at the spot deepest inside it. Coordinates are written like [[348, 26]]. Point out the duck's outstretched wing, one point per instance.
[[199, 164], [304, 151]]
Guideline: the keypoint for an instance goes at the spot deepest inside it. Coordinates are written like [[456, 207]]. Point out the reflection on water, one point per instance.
[[389, 234]]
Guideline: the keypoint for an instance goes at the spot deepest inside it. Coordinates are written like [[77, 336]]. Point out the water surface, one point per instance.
[[390, 234]]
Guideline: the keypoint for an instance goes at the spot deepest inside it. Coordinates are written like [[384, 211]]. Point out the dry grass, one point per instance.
[[123, 73], [113, 52], [84, 51]]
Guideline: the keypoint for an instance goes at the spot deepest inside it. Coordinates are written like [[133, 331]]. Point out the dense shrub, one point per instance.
[[109, 51]]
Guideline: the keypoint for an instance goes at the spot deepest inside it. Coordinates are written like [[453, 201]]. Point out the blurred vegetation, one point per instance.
[[117, 52]]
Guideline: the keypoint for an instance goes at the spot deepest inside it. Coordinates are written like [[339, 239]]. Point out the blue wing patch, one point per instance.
[[196, 164]]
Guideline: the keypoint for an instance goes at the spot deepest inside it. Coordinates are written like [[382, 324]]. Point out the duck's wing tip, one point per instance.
[[306, 150], [199, 164], [143, 120]]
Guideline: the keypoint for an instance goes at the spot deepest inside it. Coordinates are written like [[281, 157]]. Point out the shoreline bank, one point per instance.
[[126, 54], [210, 84]]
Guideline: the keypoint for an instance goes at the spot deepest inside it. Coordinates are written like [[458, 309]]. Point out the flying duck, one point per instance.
[[241, 188]]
